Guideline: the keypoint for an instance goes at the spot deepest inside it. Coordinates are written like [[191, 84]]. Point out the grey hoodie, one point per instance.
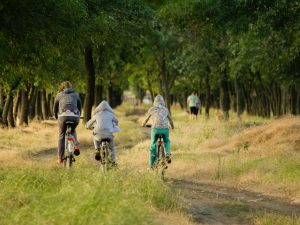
[[66, 100], [104, 120]]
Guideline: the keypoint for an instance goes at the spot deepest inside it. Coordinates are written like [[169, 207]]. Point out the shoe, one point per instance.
[[97, 156], [114, 164], [168, 158], [76, 150], [59, 161]]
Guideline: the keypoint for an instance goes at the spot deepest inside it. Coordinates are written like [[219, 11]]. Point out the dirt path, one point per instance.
[[214, 205]]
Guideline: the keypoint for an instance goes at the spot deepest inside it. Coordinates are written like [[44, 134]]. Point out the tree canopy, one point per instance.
[[238, 55]]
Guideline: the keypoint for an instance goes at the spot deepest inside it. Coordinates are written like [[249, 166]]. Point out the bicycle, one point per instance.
[[105, 155], [69, 158], [160, 164]]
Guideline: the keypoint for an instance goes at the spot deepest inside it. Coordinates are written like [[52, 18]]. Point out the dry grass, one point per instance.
[[258, 155], [35, 147]]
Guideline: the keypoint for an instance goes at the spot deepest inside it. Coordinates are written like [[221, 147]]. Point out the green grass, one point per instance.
[[272, 219], [80, 196], [282, 167]]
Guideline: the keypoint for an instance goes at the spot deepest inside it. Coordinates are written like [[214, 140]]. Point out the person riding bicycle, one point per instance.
[[67, 108], [160, 126], [105, 124]]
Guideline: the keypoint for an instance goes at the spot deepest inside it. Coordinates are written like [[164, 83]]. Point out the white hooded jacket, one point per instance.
[[104, 120]]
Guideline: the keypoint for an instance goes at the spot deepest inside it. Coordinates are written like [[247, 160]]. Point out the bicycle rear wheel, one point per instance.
[[69, 158], [104, 161], [162, 166]]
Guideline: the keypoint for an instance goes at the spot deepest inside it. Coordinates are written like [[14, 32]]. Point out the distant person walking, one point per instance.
[[193, 102]]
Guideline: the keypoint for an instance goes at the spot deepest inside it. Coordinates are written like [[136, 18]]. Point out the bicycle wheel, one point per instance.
[[103, 154], [69, 161], [161, 162], [69, 156]]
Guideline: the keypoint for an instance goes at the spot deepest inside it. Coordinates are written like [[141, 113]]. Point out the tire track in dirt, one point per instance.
[[214, 205]]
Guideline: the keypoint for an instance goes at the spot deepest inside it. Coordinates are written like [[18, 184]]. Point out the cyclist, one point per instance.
[[67, 108], [160, 125], [105, 124]]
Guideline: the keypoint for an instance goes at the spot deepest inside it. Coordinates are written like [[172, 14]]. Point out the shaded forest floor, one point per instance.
[[238, 172]]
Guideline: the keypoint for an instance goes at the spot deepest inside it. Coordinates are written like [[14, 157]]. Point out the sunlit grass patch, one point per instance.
[[81, 196]]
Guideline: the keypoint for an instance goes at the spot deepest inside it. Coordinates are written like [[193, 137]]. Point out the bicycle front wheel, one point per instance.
[[69, 161]]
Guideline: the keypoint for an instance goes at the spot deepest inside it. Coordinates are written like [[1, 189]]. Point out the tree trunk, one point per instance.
[[6, 109], [238, 98], [16, 105], [207, 94], [32, 100], [149, 84], [114, 96], [11, 121], [298, 102], [90, 87], [50, 101], [24, 109], [38, 105], [44, 105], [1, 100], [164, 82], [224, 97], [293, 101], [98, 94]]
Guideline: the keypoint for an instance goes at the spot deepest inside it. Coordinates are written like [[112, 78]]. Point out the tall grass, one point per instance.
[[81, 196], [272, 219]]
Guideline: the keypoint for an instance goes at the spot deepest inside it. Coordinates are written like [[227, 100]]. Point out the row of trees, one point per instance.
[[241, 55], [88, 42]]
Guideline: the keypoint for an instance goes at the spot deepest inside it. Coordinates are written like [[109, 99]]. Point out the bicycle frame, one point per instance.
[[69, 147], [105, 155], [160, 163]]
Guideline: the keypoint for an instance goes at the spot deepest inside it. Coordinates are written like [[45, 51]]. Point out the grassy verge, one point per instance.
[[81, 196], [253, 153], [272, 219], [35, 191]]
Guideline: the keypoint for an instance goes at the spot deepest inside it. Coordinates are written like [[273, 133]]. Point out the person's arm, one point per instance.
[[171, 121], [148, 115], [89, 124], [115, 120], [56, 106], [187, 101]]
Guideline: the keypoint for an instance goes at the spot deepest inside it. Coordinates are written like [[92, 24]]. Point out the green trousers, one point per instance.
[[154, 136]]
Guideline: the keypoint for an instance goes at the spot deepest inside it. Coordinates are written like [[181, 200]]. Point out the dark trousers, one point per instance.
[[62, 132]]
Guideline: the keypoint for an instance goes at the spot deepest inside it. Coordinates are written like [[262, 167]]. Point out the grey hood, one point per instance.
[[159, 101], [103, 106]]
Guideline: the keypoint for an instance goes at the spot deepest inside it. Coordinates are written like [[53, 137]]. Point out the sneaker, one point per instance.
[[168, 158], [76, 150], [97, 156]]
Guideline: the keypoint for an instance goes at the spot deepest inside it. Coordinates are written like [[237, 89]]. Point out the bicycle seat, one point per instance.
[[159, 135], [105, 140], [69, 122]]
